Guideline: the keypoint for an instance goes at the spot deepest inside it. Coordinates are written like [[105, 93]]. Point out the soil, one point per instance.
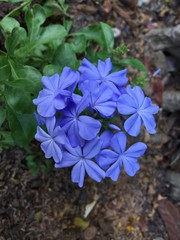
[[50, 207]]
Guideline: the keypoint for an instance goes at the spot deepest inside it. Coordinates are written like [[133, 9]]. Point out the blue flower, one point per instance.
[[118, 156], [100, 98], [79, 128], [134, 102], [57, 91], [81, 160], [52, 141], [102, 75]]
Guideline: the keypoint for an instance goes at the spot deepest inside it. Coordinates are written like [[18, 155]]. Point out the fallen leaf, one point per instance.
[[171, 218]]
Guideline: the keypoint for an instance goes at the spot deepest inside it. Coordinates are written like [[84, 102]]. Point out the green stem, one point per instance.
[[13, 70], [18, 8]]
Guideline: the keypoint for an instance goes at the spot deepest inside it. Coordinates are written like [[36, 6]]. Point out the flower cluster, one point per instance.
[[73, 109]]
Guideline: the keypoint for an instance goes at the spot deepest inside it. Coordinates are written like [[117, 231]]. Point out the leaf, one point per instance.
[[7, 24], [4, 68], [51, 69], [2, 116], [25, 77], [50, 33], [79, 222], [34, 18], [78, 44], [14, 1], [7, 138], [65, 56], [133, 62], [100, 33], [19, 100], [15, 39], [68, 24], [22, 126], [24, 81]]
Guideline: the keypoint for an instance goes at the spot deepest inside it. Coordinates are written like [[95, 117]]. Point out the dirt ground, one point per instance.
[[146, 207]]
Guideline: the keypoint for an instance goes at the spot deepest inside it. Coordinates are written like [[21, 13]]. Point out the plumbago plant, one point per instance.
[[78, 101]]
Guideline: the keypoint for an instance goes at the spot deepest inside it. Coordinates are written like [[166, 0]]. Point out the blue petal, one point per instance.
[[104, 67], [106, 108], [51, 82], [149, 122], [113, 88], [89, 71], [152, 109], [126, 104], [78, 173], [118, 142], [74, 136], [41, 135], [88, 127], [47, 148], [114, 127], [56, 152], [114, 171], [94, 171], [106, 138], [138, 93], [67, 160], [50, 124], [68, 78], [59, 136], [106, 157], [83, 104], [92, 148], [119, 78], [130, 166], [45, 106], [133, 125], [136, 150]]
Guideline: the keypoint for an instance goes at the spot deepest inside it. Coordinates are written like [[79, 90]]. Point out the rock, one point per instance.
[[90, 233], [116, 32], [171, 100], [175, 162], [160, 39], [141, 2], [174, 179]]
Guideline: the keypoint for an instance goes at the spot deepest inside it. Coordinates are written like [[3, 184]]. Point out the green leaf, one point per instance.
[[22, 126], [14, 1], [19, 100], [4, 68], [25, 81], [100, 33], [25, 77], [7, 24], [68, 24], [50, 33], [15, 39], [133, 62], [78, 44], [7, 138], [2, 116], [65, 56], [34, 18], [51, 69]]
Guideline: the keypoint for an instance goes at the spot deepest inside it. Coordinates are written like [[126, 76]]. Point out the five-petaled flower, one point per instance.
[[52, 141], [134, 102], [82, 161], [57, 92], [118, 156]]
